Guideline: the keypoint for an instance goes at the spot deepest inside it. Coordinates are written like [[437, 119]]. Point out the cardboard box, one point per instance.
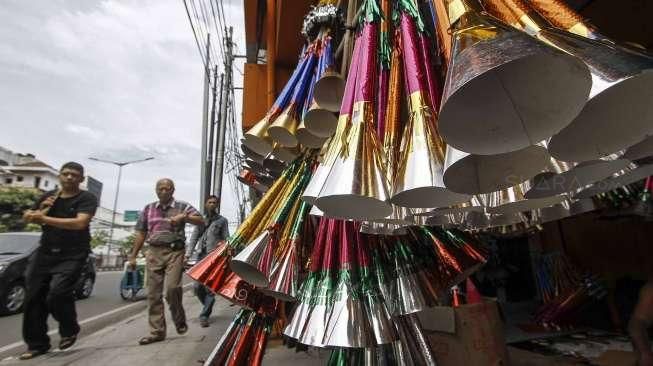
[[466, 335]]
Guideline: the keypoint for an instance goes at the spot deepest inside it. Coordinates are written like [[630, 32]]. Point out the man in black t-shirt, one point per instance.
[[55, 266]]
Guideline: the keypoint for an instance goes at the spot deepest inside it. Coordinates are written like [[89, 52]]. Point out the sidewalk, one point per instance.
[[118, 344]]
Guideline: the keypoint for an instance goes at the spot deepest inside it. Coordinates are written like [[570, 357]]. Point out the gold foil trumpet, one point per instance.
[[567, 177], [255, 167], [308, 139], [245, 264], [472, 174], [356, 186], [513, 200], [335, 144], [251, 154], [329, 89], [257, 137], [273, 164], [629, 175], [552, 213], [583, 205], [504, 90], [417, 181], [642, 149], [621, 80]]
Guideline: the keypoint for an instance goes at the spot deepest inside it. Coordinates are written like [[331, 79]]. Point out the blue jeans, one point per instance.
[[204, 295]]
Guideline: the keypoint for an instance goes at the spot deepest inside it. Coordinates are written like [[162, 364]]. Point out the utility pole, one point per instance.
[[211, 147], [216, 126], [205, 179], [222, 126]]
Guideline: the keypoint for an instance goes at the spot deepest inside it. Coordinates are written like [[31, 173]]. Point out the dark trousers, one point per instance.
[[204, 295], [50, 284]]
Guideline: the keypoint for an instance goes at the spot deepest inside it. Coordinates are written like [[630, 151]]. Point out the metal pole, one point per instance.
[[210, 145], [113, 214], [216, 126], [226, 90], [205, 123]]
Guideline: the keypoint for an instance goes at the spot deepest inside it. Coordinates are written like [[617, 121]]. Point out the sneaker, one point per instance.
[[204, 323]]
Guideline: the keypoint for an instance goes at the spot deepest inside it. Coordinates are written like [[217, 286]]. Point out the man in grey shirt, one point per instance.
[[206, 238]]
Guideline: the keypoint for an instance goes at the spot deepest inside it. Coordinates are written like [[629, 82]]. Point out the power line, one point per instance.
[[197, 42], [218, 29], [207, 25]]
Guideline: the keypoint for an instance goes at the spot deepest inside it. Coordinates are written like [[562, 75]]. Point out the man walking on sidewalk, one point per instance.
[[162, 225], [55, 266], [205, 238]]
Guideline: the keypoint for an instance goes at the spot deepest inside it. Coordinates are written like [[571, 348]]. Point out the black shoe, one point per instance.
[[31, 353], [67, 342], [204, 323]]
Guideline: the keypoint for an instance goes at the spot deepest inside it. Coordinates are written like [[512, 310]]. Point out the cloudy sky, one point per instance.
[[115, 79]]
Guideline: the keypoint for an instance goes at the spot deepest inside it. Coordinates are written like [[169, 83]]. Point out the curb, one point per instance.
[[91, 325]]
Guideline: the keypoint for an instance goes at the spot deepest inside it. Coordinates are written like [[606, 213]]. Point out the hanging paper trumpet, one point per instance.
[[411, 348], [356, 282], [418, 180], [215, 272], [257, 137], [356, 186], [254, 262], [282, 130], [336, 142], [244, 341], [616, 92], [319, 119], [522, 93]]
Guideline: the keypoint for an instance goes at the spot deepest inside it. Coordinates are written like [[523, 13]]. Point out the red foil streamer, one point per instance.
[[200, 271], [413, 63], [260, 342], [431, 81], [346, 245], [265, 262], [240, 352], [239, 292], [363, 249], [329, 252], [367, 73], [320, 243], [382, 101], [352, 77]]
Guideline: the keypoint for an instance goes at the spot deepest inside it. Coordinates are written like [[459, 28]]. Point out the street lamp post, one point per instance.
[[120, 164]]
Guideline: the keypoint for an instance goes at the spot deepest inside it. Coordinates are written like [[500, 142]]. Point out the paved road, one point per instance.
[[105, 297]]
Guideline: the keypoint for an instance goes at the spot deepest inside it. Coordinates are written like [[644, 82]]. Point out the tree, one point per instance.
[[127, 243], [99, 237], [13, 202]]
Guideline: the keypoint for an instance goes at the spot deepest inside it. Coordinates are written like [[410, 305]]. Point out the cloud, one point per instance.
[[84, 132], [118, 79]]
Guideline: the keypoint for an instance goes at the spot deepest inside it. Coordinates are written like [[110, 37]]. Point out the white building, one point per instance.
[[25, 171], [34, 174]]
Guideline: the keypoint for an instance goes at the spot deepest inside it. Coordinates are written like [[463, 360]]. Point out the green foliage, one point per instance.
[[13, 202], [127, 243], [32, 227], [99, 237]]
